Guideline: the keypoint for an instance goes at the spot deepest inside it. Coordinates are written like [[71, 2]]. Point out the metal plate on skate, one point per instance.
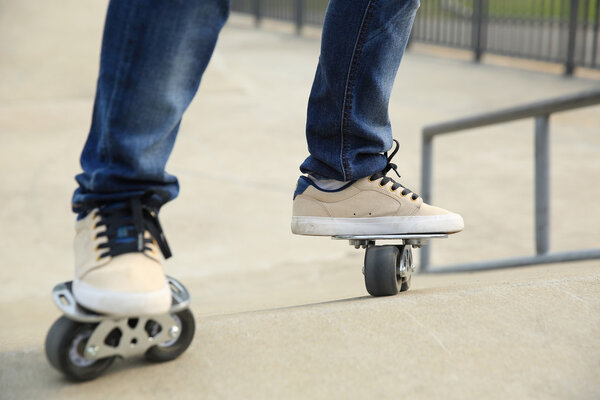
[[134, 337], [62, 295], [414, 239], [392, 237]]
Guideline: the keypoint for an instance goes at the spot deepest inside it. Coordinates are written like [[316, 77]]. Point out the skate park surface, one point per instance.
[[282, 316]]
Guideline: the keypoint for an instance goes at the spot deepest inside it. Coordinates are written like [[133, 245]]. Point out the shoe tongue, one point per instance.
[[123, 232]]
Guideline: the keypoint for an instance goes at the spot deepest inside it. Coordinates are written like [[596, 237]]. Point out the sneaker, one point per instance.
[[118, 269], [375, 205]]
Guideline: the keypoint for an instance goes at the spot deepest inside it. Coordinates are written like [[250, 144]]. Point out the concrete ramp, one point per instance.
[[492, 335]]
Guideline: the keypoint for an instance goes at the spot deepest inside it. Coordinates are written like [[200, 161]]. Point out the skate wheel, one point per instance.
[[381, 278], [172, 349], [65, 345]]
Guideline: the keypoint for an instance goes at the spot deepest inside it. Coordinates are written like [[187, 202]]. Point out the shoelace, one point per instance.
[[390, 166], [126, 223]]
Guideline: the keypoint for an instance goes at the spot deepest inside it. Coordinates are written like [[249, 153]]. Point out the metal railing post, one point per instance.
[[426, 167], [572, 39], [595, 33], [257, 12], [542, 184], [426, 173], [299, 15], [479, 27]]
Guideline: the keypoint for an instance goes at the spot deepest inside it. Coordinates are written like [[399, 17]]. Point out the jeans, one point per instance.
[[154, 53]]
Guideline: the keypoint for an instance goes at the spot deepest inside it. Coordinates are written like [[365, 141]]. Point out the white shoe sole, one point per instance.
[[122, 303], [325, 226]]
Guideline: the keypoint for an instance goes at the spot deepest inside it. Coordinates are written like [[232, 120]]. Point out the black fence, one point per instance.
[[559, 31]]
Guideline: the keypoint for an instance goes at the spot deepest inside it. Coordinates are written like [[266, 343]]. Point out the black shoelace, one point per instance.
[[126, 223], [386, 179]]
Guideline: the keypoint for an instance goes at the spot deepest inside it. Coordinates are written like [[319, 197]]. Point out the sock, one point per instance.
[[327, 184]]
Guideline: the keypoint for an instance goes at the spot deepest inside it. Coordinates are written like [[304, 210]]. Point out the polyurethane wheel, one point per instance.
[[174, 348], [381, 278], [65, 346]]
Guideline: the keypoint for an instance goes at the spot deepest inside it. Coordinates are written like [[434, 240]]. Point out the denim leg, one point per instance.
[[154, 53], [348, 126]]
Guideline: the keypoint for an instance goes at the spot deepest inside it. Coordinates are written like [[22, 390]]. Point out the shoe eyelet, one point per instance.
[[381, 185], [413, 199], [98, 258], [392, 189], [371, 178], [403, 195]]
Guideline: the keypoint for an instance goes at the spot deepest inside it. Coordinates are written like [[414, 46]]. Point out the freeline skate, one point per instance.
[[82, 344]]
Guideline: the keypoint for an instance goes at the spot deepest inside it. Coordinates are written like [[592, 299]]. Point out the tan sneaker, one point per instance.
[[368, 206], [374, 205], [118, 270]]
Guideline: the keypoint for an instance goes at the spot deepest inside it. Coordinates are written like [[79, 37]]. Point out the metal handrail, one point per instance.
[[529, 110], [541, 111]]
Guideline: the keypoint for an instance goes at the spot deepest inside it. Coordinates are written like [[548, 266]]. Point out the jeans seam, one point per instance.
[[349, 89]]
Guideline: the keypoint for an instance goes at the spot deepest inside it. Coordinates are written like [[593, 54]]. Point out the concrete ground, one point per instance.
[[280, 316]]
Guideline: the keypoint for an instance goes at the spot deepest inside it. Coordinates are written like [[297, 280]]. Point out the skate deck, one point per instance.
[[405, 236]]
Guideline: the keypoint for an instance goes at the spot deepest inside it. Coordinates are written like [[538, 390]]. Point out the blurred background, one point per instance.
[[558, 31], [286, 316]]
